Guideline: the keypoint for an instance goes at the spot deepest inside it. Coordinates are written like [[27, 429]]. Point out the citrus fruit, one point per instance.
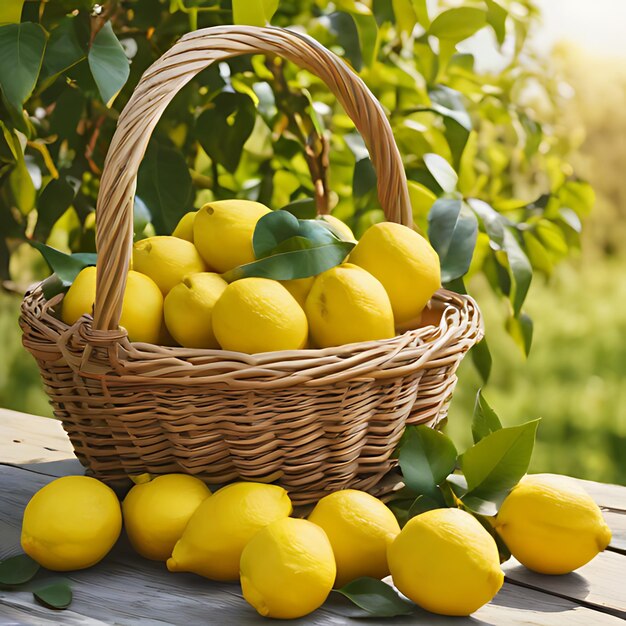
[[347, 304], [71, 523], [550, 525], [222, 525], [222, 232], [259, 315], [167, 260], [446, 562], [299, 288], [287, 569], [184, 228], [142, 307], [188, 309], [404, 262], [157, 511], [360, 529], [338, 226]]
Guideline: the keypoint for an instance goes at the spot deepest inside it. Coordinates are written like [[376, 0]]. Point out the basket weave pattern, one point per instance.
[[313, 421]]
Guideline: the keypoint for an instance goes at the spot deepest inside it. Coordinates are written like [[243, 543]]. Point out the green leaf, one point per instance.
[[141, 217], [485, 421], [405, 14], [481, 357], [441, 171], [164, 184], [376, 597], [578, 196], [345, 29], [225, 126], [504, 553], [421, 504], [21, 53], [108, 64], [367, 30], [54, 200], [458, 24], [495, 464], [492, 222], [11, 11], [520, 270], [521, 330], [254, 12], [426, 457], [364, 178], [54, 596], [452, 230], [64, 48], [303, 209], [17, 570], [21, 187], [421, 10], [457, 122], [496, 18]]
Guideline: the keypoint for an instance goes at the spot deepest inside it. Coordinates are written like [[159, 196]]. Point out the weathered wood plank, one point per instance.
[[617, 523]]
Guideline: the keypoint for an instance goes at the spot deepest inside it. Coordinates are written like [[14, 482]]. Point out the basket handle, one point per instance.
[[161, 82]]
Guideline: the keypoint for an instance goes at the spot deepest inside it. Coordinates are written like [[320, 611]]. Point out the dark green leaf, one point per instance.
[[481, 357], [11, 11], [457, 122], [225, 126], [303, 209], [452, 230], [141, 217], [344, 28], [458, 24], [441, 171], [254, 12], [485, 421], [108, 64], [54, 596], [496, 18], [492, 222], [17, 570], [376, 597], [421, 504], [504, 553], [64, 48], [21, 52], [367, 31], [426, 457], [54, 200], [364, 179], [520, 270]]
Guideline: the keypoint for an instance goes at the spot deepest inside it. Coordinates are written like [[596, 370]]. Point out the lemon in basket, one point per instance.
[[299, 288], [341, 228], [71, 523], [156, 512], [446, 562], [551, 525], [287, 569], [167, 260], [360, 529], [142, 307], [347, 304], [404, 262], [184, 228], [259, 315], [222, 232], [222, 525], [188, 309]]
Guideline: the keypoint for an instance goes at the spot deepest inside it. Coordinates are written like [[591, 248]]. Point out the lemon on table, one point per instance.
[[259, 315], [299, 288], [360, 529], [550, 525], [188, 309], [71, 523], [347, 304], [157, 511], [142, 306], [184, 228], [446, 562], [287, 569], [222, 525], [167, 260], [404, 262], [222, 232]]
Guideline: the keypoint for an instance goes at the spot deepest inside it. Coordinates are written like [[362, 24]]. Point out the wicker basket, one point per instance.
[[313, 421]]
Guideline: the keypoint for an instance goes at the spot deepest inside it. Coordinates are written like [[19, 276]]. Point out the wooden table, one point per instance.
[[125, 589]]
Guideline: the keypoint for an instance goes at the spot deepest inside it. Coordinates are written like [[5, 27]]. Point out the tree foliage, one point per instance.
[[489, 179]]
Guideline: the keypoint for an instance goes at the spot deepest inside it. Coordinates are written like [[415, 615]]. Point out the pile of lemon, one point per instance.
[[176, 294], [444, 559]]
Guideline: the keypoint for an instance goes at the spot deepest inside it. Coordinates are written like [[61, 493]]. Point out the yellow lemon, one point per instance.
[[222, 525], [347, 304], [142, 307], [156, 512], [259, 315], [343, 229], [299, 288], [167, 260], [446, 562], [222, 232], [184, 228], [404, 262], [189, 307], [71, 523], [287, 569], [360, 529], [550, 525]]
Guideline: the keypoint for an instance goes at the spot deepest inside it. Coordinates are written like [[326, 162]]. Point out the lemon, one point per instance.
[[167, 260], [71, 523], [299, 288], [184, 228], [287, 569], [551, 526], [404, 262], [222, 232], [142, 307], [156, 512], [340, 227], [188, 309], [259, 315], [347, 304], [360, 529], [446, 562], [222, 525]]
